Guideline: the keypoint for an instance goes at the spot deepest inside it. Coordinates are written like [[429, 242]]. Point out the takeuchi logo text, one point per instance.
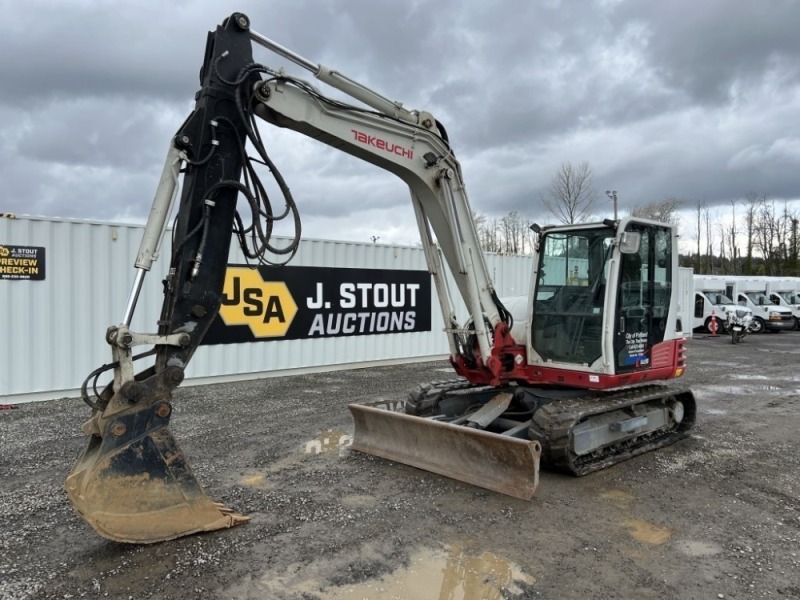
[[381, 144]]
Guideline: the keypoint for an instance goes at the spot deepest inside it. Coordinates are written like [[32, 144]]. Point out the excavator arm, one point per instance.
[[132, 483]]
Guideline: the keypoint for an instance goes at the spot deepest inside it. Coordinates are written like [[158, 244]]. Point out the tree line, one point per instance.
[[760, 237]]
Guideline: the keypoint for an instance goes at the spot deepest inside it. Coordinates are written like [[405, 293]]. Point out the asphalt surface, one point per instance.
[[716, 515]]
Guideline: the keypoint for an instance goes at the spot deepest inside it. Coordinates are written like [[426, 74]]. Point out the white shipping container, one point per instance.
[[53, 330], [686, 299]]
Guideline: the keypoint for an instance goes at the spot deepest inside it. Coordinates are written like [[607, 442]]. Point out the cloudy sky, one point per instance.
[[699, 100]]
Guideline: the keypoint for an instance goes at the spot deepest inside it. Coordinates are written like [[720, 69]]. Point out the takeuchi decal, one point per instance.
[[381, 144], [275, 303]]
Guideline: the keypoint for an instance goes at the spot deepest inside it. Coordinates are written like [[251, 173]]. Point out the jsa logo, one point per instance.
[[266, 307]]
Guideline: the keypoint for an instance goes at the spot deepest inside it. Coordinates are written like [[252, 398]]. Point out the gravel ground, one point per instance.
[[715, 516]]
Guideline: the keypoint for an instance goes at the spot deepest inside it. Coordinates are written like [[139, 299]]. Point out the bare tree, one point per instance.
[[510, 234], [510, 228], [730, 234], [665, 210], [784, 240], [488, 233], [767, 233], [709, 242], [572, 194], [774, 236], [750, 225], [698, 264]]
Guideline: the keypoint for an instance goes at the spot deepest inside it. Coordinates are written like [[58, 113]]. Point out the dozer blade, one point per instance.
[[141, 490], [489, 460]]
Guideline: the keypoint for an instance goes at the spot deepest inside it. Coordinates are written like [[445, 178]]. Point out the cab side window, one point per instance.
[[698, 306]]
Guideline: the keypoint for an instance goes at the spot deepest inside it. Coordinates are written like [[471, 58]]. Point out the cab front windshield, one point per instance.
[[718, 298], [758, 298], [568, 304]]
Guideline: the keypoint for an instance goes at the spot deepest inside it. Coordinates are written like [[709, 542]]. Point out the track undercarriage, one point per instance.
[[577, 431]]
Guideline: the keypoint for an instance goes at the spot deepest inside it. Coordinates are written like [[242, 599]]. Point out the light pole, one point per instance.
[[613, 195]]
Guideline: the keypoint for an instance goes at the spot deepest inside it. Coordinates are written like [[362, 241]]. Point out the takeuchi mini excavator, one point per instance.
[[568, 375]]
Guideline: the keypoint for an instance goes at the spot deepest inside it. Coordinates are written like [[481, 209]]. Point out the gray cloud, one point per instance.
[[672, 99], [709, 47]]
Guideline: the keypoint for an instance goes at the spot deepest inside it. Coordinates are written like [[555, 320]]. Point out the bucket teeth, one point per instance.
[[143, 491], [228, 512], [227, 520]]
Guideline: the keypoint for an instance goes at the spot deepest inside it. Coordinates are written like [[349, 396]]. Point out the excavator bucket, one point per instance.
[[141, 490], [489, 460]]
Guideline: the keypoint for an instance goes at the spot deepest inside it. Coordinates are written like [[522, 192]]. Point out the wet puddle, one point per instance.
[[254, 480], [739, 389], [649, 533], [620, 498], [452, 573], [696, 549], [330, 440]]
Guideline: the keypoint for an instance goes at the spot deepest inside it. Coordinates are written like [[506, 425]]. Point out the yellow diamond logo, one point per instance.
[[267, 307]]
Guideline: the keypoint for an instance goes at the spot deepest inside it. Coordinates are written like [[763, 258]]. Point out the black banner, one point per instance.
[[291, 303], [21, 262]]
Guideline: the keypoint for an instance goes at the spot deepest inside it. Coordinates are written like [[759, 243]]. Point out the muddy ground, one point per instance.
[[715, 516]]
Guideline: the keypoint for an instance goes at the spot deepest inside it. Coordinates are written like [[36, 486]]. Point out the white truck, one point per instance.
[[785, 291], [712, 303], [751, 292]]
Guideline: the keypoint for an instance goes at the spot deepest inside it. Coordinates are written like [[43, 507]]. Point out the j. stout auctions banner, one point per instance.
[[21, 262], [291, 303]]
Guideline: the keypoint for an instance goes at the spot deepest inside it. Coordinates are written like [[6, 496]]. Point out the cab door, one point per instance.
[[644, 297]]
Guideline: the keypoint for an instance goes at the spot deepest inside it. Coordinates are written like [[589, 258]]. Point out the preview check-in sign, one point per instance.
[[275, 303]]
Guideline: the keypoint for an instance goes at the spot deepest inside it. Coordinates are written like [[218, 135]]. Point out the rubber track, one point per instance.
[[554, 423], [557, 419]]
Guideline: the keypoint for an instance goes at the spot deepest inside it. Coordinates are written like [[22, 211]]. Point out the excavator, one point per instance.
[[573, 375]]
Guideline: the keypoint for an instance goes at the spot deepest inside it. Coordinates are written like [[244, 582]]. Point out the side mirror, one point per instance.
[[629, 242]]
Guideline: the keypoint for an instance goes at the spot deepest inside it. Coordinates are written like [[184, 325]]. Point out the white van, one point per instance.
[[711, 303], [785, 291], [752, 292]]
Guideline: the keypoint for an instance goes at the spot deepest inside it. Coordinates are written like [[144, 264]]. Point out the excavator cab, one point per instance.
[[601, 316], [604, 299]]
